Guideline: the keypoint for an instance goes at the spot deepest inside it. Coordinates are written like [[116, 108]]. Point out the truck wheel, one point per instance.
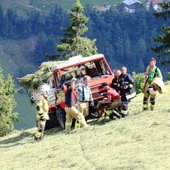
[[52, 122], [61, 117]]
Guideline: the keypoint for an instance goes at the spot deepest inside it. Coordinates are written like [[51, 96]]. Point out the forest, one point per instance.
[[124, 38]]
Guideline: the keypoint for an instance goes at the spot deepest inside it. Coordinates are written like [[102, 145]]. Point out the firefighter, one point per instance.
[[115, 81], [149, 88], [127, 91], [113, 101], [71, 107], [42, 106]]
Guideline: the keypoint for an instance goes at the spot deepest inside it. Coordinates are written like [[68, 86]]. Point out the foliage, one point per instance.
[[168, 76], [7, 104], [163, 49], [115, 31], [73, 44], [139, 80], [42, 75]]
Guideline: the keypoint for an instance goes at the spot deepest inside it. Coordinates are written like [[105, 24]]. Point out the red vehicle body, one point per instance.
[[94, 66]]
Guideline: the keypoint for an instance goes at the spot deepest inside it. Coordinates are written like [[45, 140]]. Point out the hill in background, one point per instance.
[[44, 6], [140, 141]]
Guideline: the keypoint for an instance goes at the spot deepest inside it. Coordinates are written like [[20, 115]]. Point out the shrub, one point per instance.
[[168, 76], [139, 80], [7, 104]]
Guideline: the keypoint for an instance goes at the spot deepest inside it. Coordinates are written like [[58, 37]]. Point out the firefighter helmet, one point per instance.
[[44, 89]]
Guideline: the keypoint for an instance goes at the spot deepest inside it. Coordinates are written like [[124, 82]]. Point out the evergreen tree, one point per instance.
[[7, 104], [163, 49], [73, 44]]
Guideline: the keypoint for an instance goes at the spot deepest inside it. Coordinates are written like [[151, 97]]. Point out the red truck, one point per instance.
[[94, 66]]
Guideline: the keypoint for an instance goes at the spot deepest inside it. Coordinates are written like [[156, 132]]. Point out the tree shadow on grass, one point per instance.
[[53, 131], [99, 121], [16, 138]]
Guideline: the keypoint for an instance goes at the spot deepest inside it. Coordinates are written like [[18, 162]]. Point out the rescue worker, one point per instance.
[[115, 81], [149, 89], [84, 95], [71, 107], [113, 98], [42, 106], [127, 91]]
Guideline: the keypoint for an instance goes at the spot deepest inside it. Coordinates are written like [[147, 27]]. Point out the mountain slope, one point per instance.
[[140, 141]]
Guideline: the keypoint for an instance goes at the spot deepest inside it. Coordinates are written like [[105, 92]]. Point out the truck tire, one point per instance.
[[52, 122], [61, 117]]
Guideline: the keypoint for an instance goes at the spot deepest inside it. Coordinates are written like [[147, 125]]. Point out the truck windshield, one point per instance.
[[94, 69]]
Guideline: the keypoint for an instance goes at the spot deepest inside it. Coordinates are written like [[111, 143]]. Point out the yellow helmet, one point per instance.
[[158, 84]]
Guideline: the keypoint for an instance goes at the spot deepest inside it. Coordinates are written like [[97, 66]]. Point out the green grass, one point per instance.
[[139, 142]]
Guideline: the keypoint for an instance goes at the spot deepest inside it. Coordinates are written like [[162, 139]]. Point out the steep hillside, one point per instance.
[[140, 141], [15, 55]]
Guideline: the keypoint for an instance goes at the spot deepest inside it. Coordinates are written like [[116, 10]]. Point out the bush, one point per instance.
[[7, 104], [168, 76], [139, 80]]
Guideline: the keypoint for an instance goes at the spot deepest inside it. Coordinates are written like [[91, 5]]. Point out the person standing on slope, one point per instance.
[[127, 91], [71, 107], [152, 71]]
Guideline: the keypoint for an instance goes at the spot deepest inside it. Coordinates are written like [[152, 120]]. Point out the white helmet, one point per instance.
[[152, 91], [44, 89]]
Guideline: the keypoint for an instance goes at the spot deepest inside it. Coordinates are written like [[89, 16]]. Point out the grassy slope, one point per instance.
[[140, 141]]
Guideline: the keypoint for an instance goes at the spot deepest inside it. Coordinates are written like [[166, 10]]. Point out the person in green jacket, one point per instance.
[[149, 91]]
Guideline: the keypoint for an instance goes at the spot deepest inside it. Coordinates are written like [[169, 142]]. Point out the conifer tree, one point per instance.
[[7, 104], [163, 49], [73, 42]]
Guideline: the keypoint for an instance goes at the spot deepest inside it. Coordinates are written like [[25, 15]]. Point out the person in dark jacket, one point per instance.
[[127, 91], [115, 81], [71, 108]]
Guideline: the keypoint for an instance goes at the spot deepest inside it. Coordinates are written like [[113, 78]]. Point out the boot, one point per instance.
[[145, 106], [116, 114], [152, 107]]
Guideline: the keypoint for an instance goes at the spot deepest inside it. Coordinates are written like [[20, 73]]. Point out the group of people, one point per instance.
[[78, 97], [119, 94]]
